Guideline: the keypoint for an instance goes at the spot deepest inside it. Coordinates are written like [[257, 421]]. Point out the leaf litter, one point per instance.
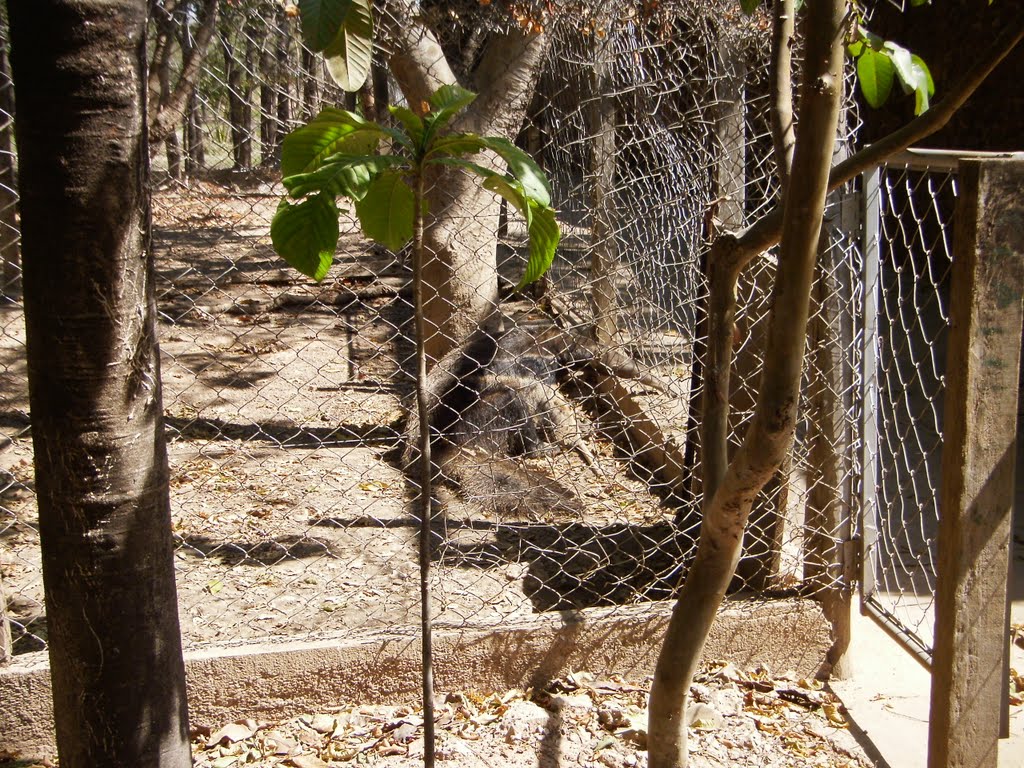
[[737, 718]]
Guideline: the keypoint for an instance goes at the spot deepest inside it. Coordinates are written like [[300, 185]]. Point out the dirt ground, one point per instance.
[[284, 403]]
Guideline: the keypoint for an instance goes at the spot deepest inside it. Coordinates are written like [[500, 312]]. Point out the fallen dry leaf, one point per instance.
[[230, 733]]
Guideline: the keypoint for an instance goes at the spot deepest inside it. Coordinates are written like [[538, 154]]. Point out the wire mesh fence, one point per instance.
[[911, 199], [571, 463]]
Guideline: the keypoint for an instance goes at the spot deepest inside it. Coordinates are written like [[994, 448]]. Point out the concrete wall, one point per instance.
[[281, 680]]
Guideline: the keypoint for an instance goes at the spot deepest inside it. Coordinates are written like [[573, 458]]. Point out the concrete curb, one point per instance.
[[280, 680]]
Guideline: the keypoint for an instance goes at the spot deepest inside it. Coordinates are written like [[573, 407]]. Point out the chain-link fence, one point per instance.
[[571, 465], [910, 203]]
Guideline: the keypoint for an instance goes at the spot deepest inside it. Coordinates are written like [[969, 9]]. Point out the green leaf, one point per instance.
[[926, 85], [348, 175], [321, 20], [512, 191], [913, 75], [412, 122], [330, 132], [870, 38], [454, 145], [544, 236], [306, 234], [451, 97], [749, 6], [919, 62], [386, 210], [901, 59], [349, 54], [856, 48], [522, 167], [446, 102], [875, 73]]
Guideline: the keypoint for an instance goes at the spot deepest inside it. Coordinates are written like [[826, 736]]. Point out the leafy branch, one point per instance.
[[335, 155]]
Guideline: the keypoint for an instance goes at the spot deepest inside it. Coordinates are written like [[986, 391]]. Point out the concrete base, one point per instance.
[[281, 680]]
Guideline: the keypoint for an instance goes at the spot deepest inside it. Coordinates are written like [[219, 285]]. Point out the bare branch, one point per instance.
[[505, 79], [417, 60], [765, 232], [770, 436], [780, 77]]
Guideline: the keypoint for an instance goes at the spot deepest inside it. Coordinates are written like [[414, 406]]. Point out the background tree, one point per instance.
[[184, 29], [237, 47], [460, 273], [9, 250], [94, 383]]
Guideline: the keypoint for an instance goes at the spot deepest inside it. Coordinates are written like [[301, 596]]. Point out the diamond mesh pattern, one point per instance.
[[575, 481]]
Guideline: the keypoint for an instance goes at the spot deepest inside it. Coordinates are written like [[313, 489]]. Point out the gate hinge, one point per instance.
[[852, 563]]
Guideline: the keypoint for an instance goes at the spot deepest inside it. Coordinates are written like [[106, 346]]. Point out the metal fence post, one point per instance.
[[868, 524], [976, 498]]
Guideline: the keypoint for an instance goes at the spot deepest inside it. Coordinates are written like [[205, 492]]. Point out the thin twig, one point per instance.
[[425, 479]]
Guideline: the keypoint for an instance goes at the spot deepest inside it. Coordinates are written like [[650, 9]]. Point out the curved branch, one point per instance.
[[417, 60], [770, 436], [765, 232], [505, 79]]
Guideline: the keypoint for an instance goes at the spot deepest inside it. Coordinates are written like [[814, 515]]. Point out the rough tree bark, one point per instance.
[[268, 102], [94, 384], [6, 644], [310, 83], [730, 488], [285, 76], [460, 273]]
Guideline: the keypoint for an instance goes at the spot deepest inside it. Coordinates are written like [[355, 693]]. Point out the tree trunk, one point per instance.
[[601, 125], [195, 149], [379, 77], [9, 250], [826, 523], [284, 79], [268, 102], [728, 502], [94, 384], [249, 85], [241, 146], [195, 152], [6, 646], [160, 83], [168, 111], [460, 269], [310, 84]]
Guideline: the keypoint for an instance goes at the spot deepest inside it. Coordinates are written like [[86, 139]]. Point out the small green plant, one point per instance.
[[335, 156]]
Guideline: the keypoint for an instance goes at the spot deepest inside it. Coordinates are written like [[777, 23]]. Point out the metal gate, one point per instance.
[[908, 252], [908, 233]]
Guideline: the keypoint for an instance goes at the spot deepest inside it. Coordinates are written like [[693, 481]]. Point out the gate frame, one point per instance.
[[922, 160]]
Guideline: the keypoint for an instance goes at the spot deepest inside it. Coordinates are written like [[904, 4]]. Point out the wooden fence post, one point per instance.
[[976, 495]]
